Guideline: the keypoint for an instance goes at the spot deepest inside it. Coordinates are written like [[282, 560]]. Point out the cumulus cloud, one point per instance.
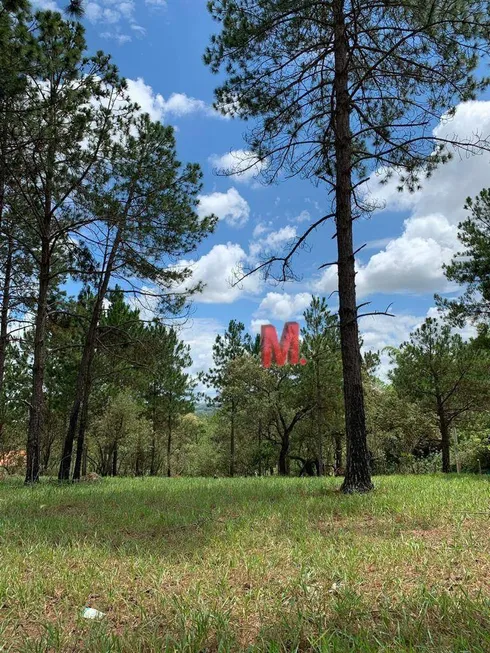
[[284, 306], [219, 270], [271, 242], [229, 206], [178, 105], [380, 332], [241, 165], [200, 334], [410, 263], [413, 261], [256, 325]]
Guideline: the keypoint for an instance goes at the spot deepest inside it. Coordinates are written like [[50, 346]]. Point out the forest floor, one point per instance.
[[256, 564]]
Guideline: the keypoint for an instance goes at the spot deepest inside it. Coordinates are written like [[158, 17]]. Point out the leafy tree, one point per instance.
[[338, 90], [399, 429], [444, 374]]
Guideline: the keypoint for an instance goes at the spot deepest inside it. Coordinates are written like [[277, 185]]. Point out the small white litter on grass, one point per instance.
[[92, 613]]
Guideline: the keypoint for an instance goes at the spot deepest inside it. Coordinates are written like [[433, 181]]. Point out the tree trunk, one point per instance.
[[5, 312], [445, 439], [232, 440], [338, 451], [260, 447], [37, 395], [114, 460], [357, 476], [283, 466], [81, 431], [84, 460], [81, 394], [169, 448], [153, 433], [319, 421]]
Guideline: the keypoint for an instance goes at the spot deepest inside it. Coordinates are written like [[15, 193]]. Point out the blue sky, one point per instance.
[[158, 46]]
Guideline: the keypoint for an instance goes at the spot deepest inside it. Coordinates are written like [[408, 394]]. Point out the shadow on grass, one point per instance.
[[158, 516]]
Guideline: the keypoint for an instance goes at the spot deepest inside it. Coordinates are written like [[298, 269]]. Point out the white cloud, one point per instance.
[[381, 331], [219, 270], [229, 206], [284, 306], [45, 5], [149, 101], [256, 325], [120, 38], [177, 105], [413, 261], [242, 165], [140, 31], [200, 334], [273, 241], [260, 229], [180, 105], [410, 263], [304, 216]]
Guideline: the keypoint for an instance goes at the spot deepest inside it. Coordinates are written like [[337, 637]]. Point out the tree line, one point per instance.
[[91, 195], [96, 211]]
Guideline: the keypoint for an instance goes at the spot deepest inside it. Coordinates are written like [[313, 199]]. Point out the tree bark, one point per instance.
[[357, 476], [153, 433], [81, 395], [169, 448], [84, 460], [39, 363], [338, 451], [114, 460], [445, 439], [81, 431], [232, 440], [283, 466], [5, 312], [319, 421]]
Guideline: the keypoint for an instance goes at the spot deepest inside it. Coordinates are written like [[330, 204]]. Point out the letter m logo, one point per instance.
[[287, 351]]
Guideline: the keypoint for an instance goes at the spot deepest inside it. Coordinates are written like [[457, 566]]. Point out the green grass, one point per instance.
[[254, 564]]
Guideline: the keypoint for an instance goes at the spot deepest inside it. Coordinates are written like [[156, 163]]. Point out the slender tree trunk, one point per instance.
[[114, 460], [357, 476], [319, 421], [338, 451], [260, 447], [5, 313], [232, 440], [81, 432], [37, 395], [81, 395], [84, 460], [283, 465], [169, 447], [153, 432], [445, 439]]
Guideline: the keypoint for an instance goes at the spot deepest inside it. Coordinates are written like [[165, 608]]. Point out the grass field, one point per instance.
[[260, 564]]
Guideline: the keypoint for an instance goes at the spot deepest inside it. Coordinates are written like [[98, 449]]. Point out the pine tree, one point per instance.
[[445, 374], [70, 108], [233, 344], [143, 207], [338, 90]]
